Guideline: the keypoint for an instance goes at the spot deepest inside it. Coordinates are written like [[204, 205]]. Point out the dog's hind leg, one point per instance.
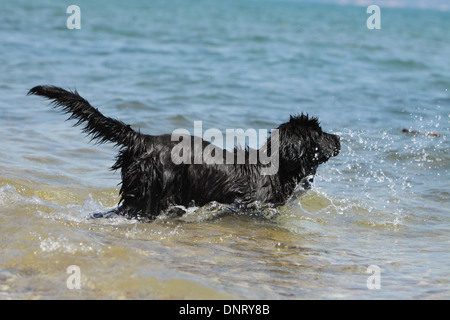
[[107, 215], [122, 211]]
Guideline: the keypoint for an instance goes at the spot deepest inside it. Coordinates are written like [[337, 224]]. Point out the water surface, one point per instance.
[[160, 66]]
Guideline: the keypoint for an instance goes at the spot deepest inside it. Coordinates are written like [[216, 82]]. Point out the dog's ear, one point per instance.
[[293, 145]]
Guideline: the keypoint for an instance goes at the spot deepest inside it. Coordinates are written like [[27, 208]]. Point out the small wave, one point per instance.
[[257, 39], [404, 64], [64, 245], [131, 105], [214, 210], [48, 202], [315, 205]]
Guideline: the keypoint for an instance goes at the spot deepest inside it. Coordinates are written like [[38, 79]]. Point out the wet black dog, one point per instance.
[[152, 181]]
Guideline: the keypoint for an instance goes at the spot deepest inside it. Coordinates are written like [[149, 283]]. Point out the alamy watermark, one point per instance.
[[374, 21], [74, 280], [374, 281], [74, 20], [190, 149]]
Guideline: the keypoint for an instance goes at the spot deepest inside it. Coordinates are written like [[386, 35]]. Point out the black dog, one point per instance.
[[152, 182]]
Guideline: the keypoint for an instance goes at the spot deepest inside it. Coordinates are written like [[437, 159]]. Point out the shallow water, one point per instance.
[[161, 66]]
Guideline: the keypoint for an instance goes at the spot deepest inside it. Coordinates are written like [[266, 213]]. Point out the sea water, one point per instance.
[[375, 223]]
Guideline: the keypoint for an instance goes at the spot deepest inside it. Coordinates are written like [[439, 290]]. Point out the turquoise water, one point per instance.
[[161, 65]]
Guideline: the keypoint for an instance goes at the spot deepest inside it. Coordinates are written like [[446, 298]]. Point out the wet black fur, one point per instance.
[[151, 182]]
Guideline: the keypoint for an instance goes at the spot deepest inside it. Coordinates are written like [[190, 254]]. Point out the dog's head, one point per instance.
[[303, 146]]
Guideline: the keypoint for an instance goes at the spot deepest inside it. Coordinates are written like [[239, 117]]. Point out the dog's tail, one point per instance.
[[101, 128]]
